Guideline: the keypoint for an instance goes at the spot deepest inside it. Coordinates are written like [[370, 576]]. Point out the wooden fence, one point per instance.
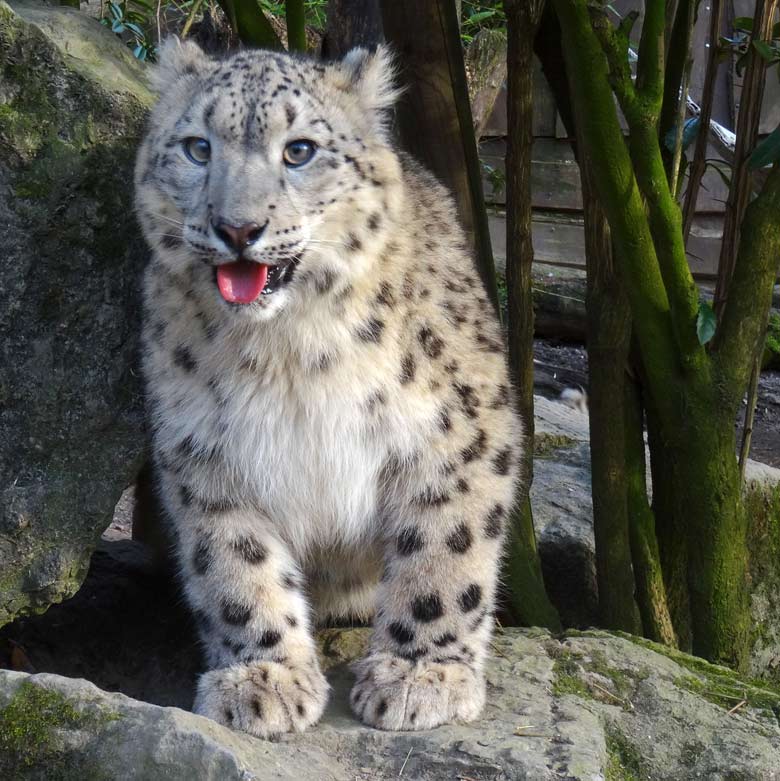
[[557, 197]]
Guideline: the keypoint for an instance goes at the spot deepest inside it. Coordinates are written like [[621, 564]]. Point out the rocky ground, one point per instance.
[[588, 706]]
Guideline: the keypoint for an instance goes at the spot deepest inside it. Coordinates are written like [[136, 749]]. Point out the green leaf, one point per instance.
[[478, 17], [725, 178], [767, 152], [690, 131], [766, 51], [706, 322], [744, 23]]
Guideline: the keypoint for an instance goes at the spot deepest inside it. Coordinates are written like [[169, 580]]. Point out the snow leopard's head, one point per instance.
[[264, 178]]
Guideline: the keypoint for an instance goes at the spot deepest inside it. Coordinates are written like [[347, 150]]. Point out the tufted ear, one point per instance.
[[371, 76], [177, 59]]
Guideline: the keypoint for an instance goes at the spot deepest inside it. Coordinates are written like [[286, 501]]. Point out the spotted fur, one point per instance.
[[346, 445]]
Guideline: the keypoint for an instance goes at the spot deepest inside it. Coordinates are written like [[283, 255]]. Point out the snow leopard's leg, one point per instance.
[[253, 618], [436, 601]]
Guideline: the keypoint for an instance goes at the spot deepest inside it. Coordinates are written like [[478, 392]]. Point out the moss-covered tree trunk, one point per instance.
[[693, 393], [609, 340], [651, 592]]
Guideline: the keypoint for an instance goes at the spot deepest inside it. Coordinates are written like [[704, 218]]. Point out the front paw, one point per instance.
[[263, 698], [397, 694]]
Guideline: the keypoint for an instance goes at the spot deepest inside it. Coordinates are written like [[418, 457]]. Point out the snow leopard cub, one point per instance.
[[331, 414]]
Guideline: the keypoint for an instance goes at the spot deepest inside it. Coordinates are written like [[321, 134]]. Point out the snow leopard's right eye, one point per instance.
[[198, 150]]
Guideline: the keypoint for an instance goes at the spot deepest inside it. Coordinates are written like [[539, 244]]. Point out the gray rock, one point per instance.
[[563, 511], [563, 519], [72, 104], [590, 707]]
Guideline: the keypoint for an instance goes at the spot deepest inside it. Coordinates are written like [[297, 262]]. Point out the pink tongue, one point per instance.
[[241, 282]]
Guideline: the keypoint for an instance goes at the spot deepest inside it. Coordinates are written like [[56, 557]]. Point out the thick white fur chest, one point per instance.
[[303, 440], [309, 457]]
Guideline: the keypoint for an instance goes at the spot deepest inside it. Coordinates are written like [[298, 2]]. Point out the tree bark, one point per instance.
[[296, 25], [528, 597], [748, 118], [651, 593], [434, 117], [351, 23], [699, 161], [693, 395], [609, 339], [250, 23]]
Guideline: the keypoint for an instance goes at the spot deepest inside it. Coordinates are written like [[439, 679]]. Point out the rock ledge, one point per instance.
[[590, 706]]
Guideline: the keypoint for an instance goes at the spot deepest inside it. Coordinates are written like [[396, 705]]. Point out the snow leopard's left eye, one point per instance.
[[198, 150], [298, 153]]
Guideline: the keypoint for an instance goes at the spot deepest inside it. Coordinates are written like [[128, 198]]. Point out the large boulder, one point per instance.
[[590, 706], [72, 107]]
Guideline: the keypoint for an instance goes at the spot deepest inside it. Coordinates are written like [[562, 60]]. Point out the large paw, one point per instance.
[[398, 694], [263, 698]]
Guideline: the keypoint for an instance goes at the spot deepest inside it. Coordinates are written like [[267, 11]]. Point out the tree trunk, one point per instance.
[[651, 593], [709, 493], [670, 530], [250, 23], [528, 597], [296, 25], [351, 23], [609, 333], [693, 394], [609, 339], [434, 116], [740, 189]]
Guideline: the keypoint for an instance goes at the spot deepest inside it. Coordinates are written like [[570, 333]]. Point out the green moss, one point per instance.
[[338, 646], [727, 693], [771, 359], [566, 669], [762, 506], [503, 293], [621, 682], [546, 444], [715, 683], [30, 736], [572, 671], [624, 762]]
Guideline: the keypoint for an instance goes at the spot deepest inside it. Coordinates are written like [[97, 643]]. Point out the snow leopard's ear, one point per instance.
[[371, 77], [177, 59]]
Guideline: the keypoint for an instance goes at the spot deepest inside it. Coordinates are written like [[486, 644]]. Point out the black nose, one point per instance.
[[237, 237]]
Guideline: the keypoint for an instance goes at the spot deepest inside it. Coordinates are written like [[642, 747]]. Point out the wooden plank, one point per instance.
[[555, 178], [545, 112], [559, 240]]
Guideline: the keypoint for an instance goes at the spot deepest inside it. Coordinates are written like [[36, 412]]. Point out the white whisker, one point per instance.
[[167, 219]]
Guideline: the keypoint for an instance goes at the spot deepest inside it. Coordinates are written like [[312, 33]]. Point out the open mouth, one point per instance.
[[243, 281]]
